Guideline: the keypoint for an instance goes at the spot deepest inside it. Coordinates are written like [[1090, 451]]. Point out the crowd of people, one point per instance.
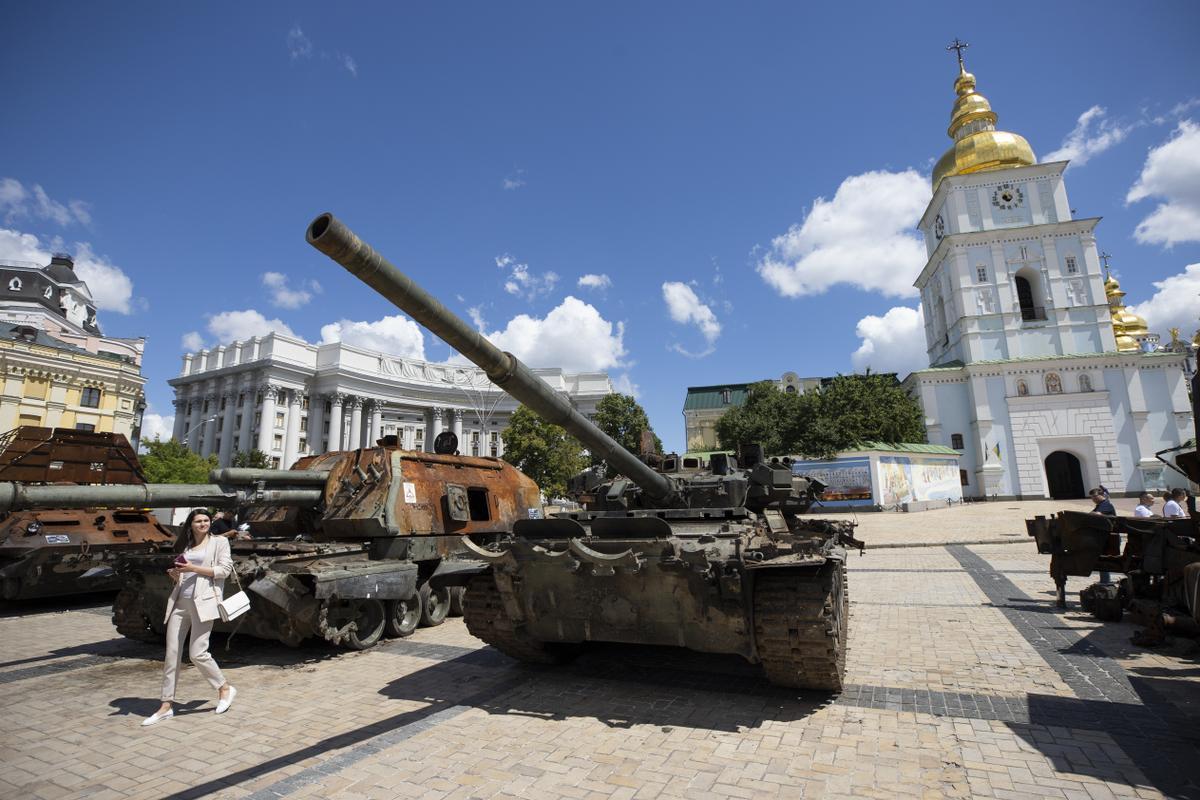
[[1174, 504]]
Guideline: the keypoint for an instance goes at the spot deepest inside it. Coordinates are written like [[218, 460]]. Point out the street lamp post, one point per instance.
[[202, 422]]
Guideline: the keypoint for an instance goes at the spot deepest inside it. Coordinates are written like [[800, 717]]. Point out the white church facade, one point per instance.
[[1037, 374]]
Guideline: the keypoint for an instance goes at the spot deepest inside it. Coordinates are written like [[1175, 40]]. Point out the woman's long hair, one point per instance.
[[183, 540]]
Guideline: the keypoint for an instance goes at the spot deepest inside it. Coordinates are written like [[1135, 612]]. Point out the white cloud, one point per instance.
[[1092, 135], [573, 336], [156, 426], [894, 342], [685, 307], [284, 295], [593, 281], [523, 283], [861, 237], [1172, 172], [349, 63], [299, 45], [111, 288], [232, 326], [476, 315], [514, 180], [625, 385], [395, 335], [192, 341], [1176, 304], [17, 202]]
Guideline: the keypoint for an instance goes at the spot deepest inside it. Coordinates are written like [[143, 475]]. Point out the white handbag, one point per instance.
[[235, 605]]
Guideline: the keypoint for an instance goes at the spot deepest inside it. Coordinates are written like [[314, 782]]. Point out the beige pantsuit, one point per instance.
[[183, 616]]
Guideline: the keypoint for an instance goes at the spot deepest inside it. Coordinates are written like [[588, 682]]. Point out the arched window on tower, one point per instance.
[[1027, 286], [1053, 383]]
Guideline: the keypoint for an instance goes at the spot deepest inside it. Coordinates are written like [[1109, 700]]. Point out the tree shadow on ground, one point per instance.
[[52, 605]]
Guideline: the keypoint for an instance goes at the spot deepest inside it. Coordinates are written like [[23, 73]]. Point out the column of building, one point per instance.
[[291, 438], [376, 422], [192, 432], [336, 404], [246, 398], [229, 398], [356, 404], [456, 427], [180, 426], [266, 420], [316, 423], [208, 429]]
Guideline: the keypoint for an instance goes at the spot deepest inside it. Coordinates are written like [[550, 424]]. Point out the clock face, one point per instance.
[[1007, 196], [939, 226]]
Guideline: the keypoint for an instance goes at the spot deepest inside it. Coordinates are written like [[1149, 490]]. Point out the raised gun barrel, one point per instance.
[[505, 370], [20, 496]]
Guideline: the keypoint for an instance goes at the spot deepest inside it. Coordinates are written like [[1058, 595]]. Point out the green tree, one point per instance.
[[542, 451], [172, 462], [624, 419], [252, 459], [849, 410]]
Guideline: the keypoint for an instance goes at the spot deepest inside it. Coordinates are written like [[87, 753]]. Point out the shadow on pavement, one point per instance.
[[53, 605]]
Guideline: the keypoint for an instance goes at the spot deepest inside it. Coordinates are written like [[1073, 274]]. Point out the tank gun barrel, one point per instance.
[[19, 496], [286, 477], [334, 239]]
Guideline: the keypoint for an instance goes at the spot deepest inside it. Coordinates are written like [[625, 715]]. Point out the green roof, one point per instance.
[[956, 364], [707, 397], [907, 447]]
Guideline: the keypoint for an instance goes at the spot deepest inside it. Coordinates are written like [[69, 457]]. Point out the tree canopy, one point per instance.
[[252, 459], [172, 462], [624, 419], [542, 451], [849, 410]]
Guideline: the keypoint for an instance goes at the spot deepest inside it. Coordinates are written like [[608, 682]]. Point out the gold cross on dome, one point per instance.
[[959, 46], [1105, 257]]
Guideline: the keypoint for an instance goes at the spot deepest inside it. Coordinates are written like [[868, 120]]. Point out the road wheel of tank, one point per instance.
[[800, 623], [403, 616], [368, 620], [486, 619], [456, 600], [435, 605], [130, 620]]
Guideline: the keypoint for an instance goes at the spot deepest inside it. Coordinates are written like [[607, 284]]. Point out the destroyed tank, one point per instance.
[[55, 552], [717, 560], [345, 542]]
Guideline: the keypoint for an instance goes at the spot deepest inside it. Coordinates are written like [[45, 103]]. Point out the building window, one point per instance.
[[274, 462], [257, 419], [83, 426], [790, 389], [303, 424], [981, 273], [90, 397], [725, 396], [420, 434], [1022, 389], [278, 419], [303, 445], [1072, 268], [1085, 383], [1053, 383], [217, 445], [962, 478], [1029, 311], [494, 451], [31, 419], [956, 441], [237, 422], [278, 442]]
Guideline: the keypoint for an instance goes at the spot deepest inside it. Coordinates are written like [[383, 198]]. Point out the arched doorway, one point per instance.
[[1064, 476]]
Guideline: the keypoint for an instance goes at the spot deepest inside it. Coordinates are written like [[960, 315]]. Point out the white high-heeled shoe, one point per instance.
[[158, 716], [224, 703]]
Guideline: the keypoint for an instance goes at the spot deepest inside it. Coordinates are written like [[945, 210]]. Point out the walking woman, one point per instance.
[[200, 570]]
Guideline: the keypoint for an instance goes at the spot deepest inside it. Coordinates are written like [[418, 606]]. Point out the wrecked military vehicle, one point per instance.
[[717, 560]]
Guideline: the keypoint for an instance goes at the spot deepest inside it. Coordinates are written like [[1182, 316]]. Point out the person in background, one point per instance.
[[1173, 508], [221, 524], [1102, 504], [201, 566], [1145, 506]]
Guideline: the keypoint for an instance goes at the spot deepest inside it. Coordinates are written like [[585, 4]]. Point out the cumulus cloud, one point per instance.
[[283, 295], [573, 336], [862, 237], [156, 426], [476, 315], [1171, 172], [17, 203], [894, 342], [1175, 304], [192, 341], [523, 283], [624, 385], [396, 335], [685, 307], [299, 45], [514, 180], [593, 281], [1093, 133], [232, 326], [349, 63], [110, 287]]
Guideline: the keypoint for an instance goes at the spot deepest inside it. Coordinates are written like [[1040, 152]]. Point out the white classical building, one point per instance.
[[288, 398], [1037, 375]]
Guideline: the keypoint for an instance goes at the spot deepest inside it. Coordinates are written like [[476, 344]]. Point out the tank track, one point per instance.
[[800, 624], [130, 619], [486, 619]]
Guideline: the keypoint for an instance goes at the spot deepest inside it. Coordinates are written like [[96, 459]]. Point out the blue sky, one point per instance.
[[500, 153]]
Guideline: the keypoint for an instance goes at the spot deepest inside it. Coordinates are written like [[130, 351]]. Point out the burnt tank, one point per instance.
[[344, 542], [718, 560], [65, 551]]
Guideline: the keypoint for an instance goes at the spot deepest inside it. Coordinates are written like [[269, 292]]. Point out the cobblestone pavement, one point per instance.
[[964, 680]]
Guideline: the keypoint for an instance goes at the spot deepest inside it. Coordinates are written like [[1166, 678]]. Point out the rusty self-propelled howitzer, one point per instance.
[[716, 560], [345, 542]]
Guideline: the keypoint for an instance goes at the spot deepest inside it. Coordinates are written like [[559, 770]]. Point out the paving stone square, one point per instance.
[[963, 680]]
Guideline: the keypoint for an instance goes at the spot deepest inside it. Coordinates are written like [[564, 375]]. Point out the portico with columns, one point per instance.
[[288, 399]]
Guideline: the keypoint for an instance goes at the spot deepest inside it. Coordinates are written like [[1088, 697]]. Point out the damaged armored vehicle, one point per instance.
[[718, 560]]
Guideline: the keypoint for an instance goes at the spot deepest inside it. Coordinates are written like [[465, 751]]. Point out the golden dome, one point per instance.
[[978, 146], [1126, 325]]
